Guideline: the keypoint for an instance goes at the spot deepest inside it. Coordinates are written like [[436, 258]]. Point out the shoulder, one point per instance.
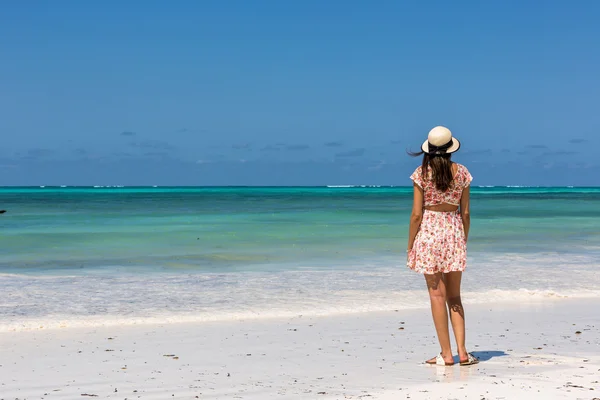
[[461, 168], [417, 172], [417, 176], [464, 173]]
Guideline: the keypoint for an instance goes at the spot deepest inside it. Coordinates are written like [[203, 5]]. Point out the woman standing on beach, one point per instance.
[[437, 239]]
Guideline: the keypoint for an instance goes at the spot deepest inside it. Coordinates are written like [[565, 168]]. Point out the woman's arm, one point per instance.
[[464, 210], [416, 216]]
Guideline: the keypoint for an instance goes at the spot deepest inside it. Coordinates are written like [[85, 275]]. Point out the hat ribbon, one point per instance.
[[439, 149]]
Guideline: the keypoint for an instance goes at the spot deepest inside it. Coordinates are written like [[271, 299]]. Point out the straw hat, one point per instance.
[[440, 141]]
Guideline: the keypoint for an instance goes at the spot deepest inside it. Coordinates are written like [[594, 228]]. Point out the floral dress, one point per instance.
[[440, 244]]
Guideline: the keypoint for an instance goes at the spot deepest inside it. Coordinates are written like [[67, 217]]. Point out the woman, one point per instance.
[[437, 239]]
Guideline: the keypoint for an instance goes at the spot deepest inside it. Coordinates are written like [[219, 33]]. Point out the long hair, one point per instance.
[[441, 168]]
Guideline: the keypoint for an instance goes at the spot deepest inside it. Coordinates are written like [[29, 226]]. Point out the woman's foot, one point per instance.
[[470, 359], [441, 359]]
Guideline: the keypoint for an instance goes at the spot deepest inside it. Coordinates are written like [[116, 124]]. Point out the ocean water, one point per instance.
[[103, 255]]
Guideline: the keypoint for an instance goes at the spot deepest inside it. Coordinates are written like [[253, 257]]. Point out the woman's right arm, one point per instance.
[[464, 210], [416, 217]]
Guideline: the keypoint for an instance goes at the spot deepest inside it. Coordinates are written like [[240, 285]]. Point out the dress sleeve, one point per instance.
[[417, 177], [467, 178]]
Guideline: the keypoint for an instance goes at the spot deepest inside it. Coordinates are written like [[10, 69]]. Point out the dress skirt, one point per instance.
[[440, 244]]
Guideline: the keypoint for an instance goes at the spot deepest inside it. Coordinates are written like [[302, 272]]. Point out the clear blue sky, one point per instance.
[[296, 92]]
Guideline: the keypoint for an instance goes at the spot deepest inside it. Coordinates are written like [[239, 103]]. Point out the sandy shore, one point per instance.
[[530, 350]]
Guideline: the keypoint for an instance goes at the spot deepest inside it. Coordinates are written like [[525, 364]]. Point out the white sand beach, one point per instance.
[[536, 350]]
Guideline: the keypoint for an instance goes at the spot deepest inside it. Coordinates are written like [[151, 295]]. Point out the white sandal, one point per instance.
[[439, 360], [471, 360]]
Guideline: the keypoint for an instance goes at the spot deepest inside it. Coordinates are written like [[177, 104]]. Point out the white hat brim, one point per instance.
[[454, 148]]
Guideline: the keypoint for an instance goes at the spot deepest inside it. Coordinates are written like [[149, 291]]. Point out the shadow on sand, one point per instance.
[[488, 355]]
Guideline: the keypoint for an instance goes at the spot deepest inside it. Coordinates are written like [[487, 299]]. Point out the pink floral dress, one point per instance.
[[440, 244]]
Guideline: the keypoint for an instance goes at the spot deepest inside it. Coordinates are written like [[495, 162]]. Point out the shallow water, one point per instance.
[[122, 255]]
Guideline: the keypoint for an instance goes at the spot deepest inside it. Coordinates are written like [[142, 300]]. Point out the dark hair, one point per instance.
[[441, 168]]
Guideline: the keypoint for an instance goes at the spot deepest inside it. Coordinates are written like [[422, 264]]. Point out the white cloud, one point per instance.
[[378, 166]]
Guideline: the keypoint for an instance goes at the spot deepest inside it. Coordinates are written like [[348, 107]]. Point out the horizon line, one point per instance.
[[274, 186]]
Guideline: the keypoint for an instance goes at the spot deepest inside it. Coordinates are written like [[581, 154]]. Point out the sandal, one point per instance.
[[439, 360], [471, 360]]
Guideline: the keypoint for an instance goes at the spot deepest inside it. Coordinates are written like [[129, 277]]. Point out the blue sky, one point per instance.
[[296, 93]]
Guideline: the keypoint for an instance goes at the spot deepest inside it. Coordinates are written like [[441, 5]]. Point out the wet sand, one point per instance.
[[532, 350]]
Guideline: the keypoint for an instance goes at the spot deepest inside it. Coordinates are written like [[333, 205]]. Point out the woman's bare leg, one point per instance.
[[437, 295], [456, 310]]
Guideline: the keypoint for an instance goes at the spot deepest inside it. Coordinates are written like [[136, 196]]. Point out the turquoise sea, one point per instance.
[[72, 256]]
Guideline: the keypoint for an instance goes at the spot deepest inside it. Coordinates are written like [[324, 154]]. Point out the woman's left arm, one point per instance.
[[416, 216]]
